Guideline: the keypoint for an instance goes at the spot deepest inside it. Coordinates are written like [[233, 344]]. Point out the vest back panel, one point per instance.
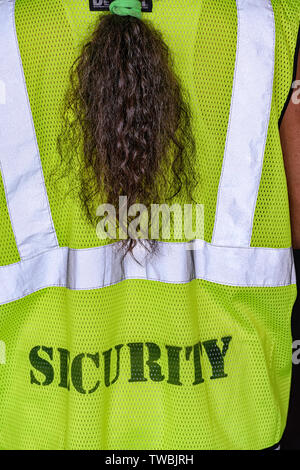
[[142, 364]]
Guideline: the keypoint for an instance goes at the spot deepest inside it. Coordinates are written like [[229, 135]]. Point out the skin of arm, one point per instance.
[[290, 141]]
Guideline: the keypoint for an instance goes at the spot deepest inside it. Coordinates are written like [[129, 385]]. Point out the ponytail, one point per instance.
[[125, 113]]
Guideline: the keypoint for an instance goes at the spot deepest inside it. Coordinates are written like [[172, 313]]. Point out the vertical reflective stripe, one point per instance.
[[248, 124], [19, 155]]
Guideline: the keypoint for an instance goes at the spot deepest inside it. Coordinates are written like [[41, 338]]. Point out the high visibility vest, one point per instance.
[[190, 348]]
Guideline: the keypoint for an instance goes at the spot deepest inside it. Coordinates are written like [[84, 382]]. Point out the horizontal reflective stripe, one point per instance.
[[20, 162], [248, 124], [177, 263]]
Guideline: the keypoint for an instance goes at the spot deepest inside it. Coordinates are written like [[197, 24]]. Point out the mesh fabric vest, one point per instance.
[[149, 361]]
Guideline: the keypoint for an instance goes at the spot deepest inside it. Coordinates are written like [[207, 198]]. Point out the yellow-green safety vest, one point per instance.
[[190, 348]]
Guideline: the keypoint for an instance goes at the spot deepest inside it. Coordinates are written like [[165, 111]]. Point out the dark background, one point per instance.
[[291, 437]]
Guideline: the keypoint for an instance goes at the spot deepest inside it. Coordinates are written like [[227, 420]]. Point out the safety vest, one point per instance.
[[190, 348]]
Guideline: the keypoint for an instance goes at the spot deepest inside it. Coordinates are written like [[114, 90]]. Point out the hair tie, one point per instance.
[[126, 8]]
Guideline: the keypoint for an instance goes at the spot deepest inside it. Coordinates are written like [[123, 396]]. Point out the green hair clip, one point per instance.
[[126, 8]]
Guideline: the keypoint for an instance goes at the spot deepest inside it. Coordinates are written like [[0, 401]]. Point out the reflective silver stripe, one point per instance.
[[20, 163], [248, 124], [44, 264], [95, 268]]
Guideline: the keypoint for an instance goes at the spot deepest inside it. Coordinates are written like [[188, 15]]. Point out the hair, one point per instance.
[[126, 124]]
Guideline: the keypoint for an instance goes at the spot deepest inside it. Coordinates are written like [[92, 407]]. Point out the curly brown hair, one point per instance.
[[126, 114]]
